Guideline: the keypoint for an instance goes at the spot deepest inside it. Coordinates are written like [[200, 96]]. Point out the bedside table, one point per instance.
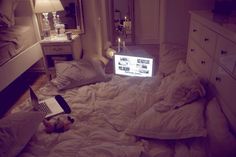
[[60, 49]]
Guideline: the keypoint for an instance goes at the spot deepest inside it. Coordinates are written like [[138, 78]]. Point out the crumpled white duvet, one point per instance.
[[102, 112]]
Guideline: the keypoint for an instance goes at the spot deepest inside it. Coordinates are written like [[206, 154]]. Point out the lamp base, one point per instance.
[[46, 29]]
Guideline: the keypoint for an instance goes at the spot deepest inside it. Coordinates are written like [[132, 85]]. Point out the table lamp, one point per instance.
[[57, 7], [44, 7]]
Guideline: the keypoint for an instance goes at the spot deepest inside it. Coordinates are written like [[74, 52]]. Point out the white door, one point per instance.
[[147, 21]]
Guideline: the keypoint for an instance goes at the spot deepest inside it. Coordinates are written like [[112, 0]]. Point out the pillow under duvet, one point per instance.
[[181, 123]]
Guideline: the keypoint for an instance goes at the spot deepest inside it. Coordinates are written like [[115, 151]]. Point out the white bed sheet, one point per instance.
[[102, 112], [14, 40]]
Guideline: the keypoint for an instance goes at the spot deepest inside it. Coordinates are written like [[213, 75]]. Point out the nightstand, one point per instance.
[[60, 49]]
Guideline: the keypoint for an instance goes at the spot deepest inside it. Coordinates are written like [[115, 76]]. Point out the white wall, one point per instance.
[[146, 25], [95, 37], [91, 40], [173, 25], [122, 6], [147, 21], [104, 20], [174, 18], [25, 15]]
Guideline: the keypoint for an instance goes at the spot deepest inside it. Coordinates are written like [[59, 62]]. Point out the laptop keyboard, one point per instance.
[[43, 107]]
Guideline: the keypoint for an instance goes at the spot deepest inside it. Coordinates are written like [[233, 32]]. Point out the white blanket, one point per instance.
[[102, 112]]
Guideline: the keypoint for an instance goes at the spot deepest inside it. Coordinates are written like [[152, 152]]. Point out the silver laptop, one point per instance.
[[50, 106]]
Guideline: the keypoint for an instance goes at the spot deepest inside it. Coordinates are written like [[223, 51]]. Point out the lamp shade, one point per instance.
[[45, 6]]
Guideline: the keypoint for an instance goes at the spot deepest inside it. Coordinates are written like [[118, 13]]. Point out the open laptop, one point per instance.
[[131, 65], [51, 106]]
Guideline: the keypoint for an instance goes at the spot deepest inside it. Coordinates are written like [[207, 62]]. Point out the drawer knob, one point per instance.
[[218, 79], [206, 39], [192, 50], [194, 30], [203, 62], [223, 52]]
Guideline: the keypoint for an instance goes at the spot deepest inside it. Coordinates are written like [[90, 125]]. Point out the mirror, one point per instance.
[[123, 21], [71, 16]]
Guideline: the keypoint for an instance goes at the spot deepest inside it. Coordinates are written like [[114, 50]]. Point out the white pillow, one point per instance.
[[182, 69], [170, 55], [184, 91], [221, 141], [185, 122], [180, 88], [16, 130], [72, 74]]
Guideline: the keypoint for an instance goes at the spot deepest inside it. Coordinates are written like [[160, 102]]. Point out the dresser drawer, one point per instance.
[[195, 31], [193, 50], [57, 49], [226, 88], [226, 54], [205, 37], [199, 61], [208, 41]]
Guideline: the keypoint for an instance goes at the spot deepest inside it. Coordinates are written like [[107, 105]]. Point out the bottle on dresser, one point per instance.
[[59, 27], [46, 28]]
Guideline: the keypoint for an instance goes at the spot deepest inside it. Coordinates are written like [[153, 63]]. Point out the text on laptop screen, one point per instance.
[[133, 66]]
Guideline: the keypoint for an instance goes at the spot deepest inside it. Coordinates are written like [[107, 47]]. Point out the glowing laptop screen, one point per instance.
[[133, 66]]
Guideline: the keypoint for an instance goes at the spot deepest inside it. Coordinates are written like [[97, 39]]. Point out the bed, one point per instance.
[[103, 112], [19, 38], [117, 116], [124, 116]]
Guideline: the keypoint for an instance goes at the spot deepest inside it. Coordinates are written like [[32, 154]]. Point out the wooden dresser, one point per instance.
[[212, 53]]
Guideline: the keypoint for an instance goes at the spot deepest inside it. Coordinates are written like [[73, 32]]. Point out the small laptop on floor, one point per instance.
[[51, 106]]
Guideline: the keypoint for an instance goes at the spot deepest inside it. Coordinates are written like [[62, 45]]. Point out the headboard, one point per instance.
[[211, 54]]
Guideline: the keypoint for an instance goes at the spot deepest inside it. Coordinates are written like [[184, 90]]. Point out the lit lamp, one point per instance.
[[57, 7], [44, 7]]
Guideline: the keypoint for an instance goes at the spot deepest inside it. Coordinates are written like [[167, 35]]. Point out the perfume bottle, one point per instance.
[[62, 30], [57, 24]]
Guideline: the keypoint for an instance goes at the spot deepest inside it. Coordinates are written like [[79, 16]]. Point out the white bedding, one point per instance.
[[13, 40], [102, 112]]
